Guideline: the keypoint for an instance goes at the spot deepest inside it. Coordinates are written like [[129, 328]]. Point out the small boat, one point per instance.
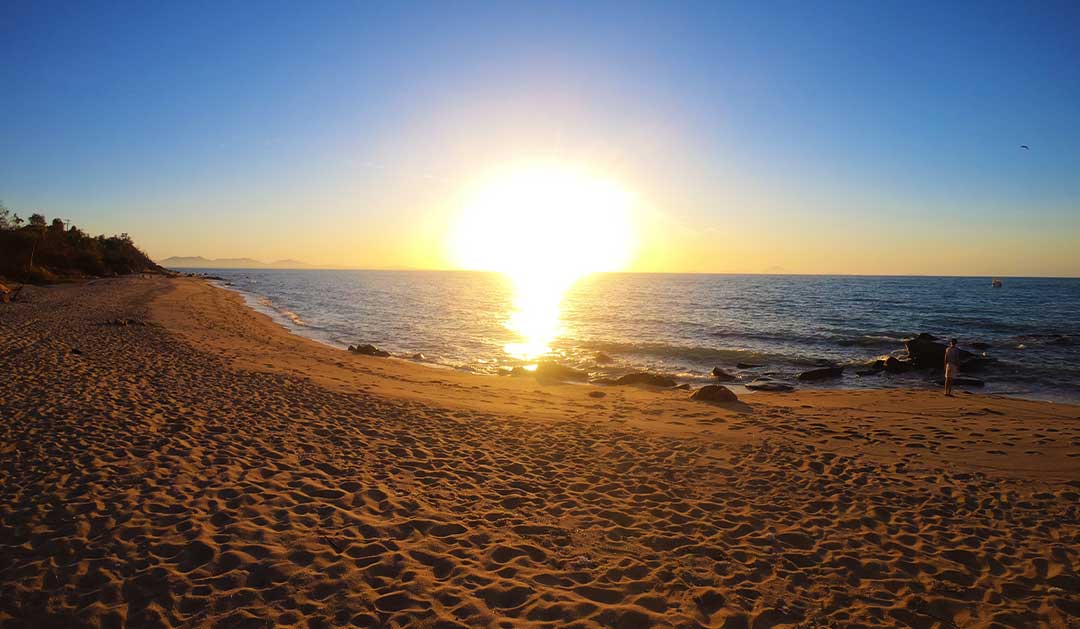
[[996, 283]]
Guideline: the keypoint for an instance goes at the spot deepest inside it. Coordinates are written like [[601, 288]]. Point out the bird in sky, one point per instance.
[[1025, 147]]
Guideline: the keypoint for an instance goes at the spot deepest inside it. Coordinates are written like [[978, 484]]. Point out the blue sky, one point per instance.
[[808, 137]]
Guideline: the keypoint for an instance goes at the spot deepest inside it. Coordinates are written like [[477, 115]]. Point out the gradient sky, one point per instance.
[[860, 137]]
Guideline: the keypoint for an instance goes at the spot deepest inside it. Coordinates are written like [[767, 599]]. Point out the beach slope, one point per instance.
[[169, 457]]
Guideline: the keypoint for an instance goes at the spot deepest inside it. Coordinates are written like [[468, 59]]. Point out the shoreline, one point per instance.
[[920, 380], [200, 465]]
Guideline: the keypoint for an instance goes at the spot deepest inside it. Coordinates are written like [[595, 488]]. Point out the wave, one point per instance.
[[288, 314]]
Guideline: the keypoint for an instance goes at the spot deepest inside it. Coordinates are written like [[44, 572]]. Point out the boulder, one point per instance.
[[650, 379], [368, 349], [714, 393], [895, 365], [963, 381], [768, 384], [550, 370], [603, 359], [926, 352], [721, 375], [822, 373]]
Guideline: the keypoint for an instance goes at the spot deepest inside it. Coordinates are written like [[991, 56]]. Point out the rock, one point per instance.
[[683, 387], [746, 366], [76, 351], [768, 384], [721, 375], [549, 370], [5, 293], [979, 345], [963, 381], [714, 393], [368, 349], [895, 365], [821, 374], [418, 356], [868, 372], [926, 352], [520, 371], [604, 382], [645, 378], [603, 359], [597, 394], [1060, 340]]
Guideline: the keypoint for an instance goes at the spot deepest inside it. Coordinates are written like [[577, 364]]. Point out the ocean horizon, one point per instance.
[[683, 325]]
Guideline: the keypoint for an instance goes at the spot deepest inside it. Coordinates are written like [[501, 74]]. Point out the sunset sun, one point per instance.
[[543, 227]]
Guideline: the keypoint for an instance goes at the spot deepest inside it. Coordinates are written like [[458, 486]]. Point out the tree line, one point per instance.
[[37, 250]]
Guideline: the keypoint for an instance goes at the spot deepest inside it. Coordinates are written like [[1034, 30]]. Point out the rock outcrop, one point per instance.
[[715, 394], [822, 373], [367, 349], [645, 378], [721, 375]]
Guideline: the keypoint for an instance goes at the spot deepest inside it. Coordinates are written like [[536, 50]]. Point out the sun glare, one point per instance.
[[544, 228]]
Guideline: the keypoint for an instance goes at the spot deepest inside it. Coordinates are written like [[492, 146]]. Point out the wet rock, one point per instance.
[[926, 352], [714, 393], [418, 356], [683, 387], [746, 366], [368, 349], [721, 375], [603, 359], [822, 373], [554, 371], [768, 384], [895, 365], [597, 394], [645, 378], [963, 381]]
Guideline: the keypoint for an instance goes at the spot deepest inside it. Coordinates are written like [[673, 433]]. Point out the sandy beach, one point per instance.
[[202, 467]]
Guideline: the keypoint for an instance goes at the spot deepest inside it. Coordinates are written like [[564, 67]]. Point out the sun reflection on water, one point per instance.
[[543, 227]]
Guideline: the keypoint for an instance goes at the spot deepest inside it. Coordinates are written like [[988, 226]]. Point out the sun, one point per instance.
[[544, 227]]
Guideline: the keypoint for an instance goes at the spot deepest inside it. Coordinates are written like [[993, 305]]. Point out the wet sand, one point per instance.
[[210, 469]]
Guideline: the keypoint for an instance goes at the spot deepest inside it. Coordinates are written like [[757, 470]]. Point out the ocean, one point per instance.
[[685, 325]]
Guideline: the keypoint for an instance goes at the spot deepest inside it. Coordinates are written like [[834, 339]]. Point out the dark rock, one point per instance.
[[963, 381], [768, 384], [714, 393], [721, 375], [683, 387], [926, 352], [980, 345], [821, 374], [368, 349], [645, 378], [895, 365], [554, 371], [746, 366], [597, 394], [603, 359]]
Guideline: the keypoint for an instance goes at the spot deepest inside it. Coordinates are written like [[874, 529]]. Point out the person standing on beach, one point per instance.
[[952, 363]]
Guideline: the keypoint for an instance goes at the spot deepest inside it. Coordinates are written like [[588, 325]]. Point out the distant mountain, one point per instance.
[[199, 262]]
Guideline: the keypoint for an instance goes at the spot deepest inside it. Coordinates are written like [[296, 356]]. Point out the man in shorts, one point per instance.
[[952, 364]]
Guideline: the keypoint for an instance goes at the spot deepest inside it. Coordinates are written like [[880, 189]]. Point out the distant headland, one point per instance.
[[199, 262]]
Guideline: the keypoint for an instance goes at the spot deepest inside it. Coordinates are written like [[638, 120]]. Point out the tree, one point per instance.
[[37, 220], [5, 217]]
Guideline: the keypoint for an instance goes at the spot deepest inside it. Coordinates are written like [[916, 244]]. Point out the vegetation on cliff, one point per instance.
[[36, 250]]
